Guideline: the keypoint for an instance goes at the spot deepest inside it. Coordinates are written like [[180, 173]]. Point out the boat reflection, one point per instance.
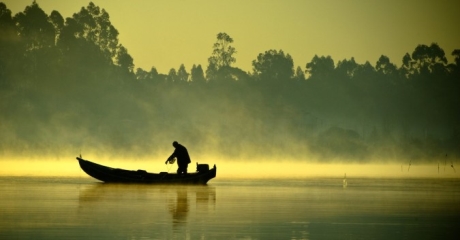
[[141, 205]]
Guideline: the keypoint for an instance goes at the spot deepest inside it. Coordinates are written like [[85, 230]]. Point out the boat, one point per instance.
[[117, 175]]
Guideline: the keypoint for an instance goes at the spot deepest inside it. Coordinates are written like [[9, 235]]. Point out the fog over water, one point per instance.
[[69, 87], [228, 169]]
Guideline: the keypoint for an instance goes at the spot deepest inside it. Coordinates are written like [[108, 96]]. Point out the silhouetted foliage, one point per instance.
[[222, 54], [70, 85], [182, 74], [273, 66], [299, 74], [385, 67], [320, 67], [172, 76], [124, 60], [221, 58], [197, 74]]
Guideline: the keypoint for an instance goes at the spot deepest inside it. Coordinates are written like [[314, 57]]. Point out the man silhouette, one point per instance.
[[183, 159]]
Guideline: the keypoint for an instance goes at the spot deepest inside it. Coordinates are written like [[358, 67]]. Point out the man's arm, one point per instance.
[[173, 155]]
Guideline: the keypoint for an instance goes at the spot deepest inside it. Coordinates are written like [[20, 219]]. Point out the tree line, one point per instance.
[[69, 83]]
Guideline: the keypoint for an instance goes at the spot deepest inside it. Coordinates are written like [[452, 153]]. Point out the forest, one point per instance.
[[68, 85]]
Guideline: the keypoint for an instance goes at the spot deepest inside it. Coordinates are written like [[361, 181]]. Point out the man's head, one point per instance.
[[175, 144]]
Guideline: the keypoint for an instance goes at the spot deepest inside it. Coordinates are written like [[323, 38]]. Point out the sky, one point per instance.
[[167, 33]]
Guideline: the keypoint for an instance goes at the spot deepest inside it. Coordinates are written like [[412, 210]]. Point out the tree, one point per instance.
[[5, 16], [428, 59], [182, 74], [7, 28], [386, 70], [197, 74], [35, 28], [299, 74], [124, 60], [141, 74], [211, 72], [220, 62], [320, 67], [222, 54], [172, 76], [93, 24], [456, 54], [37, 37], [9, 48], [58, 22], [365, 71], [455, 67], [273, 66], [384, 66], [153, 74], [406, 68], [346, 68], [363, 80]]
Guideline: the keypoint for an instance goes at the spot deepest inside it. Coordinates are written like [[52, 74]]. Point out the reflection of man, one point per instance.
[[180, 209], [183, 159]]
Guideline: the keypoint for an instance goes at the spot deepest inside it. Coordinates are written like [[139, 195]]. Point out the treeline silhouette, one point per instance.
[[68, 85]]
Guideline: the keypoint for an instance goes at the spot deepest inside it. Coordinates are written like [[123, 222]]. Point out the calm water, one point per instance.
[[319, 208]]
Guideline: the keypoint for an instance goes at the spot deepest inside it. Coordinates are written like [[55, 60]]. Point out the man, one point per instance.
[[183, 159]]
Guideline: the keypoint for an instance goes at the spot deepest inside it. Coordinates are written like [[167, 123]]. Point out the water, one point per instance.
[[311, 208]]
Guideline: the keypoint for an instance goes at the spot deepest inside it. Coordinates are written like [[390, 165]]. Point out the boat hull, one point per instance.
[[117, 175]]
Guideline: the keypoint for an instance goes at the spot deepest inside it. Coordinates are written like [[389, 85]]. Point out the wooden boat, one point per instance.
[[117, 175]]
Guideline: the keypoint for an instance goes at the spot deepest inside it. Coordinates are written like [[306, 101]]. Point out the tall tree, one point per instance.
[[223, 51], [10, 50], [6, 20], [93, 24], [222, 55], [37, 35], [58, 22], [35, 27], [7, 28]]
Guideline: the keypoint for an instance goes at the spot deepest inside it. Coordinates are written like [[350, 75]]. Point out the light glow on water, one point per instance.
[[234, 168]]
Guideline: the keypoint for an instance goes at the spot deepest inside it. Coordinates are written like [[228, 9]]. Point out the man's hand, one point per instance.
[[167, 161]]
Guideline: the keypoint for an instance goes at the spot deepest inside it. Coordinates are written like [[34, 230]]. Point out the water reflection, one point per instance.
[[205, 197], [179, 208], [246, 209], [139, 206]]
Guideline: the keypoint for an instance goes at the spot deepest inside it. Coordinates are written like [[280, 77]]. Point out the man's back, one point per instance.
[[181, 154]]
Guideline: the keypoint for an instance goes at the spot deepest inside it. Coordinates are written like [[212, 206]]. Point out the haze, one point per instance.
[[301, 87]]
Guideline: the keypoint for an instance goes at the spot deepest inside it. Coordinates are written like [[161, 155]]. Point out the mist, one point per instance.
[[68, 87]]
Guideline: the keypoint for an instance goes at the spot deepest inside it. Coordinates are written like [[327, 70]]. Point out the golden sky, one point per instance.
[[167, 33]]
